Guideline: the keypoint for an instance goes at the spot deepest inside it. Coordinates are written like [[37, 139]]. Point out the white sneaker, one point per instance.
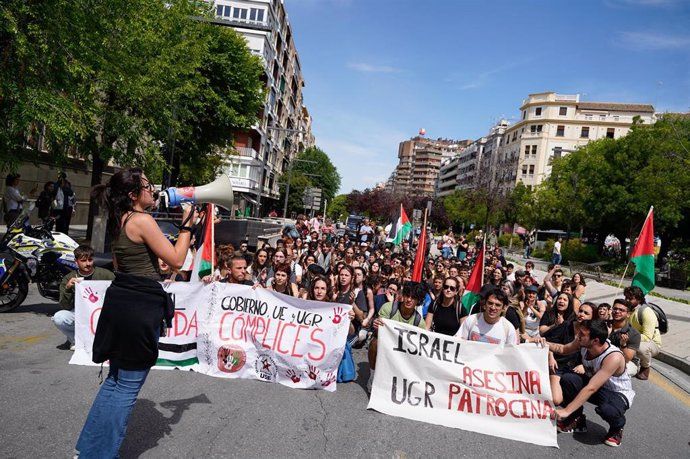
[[72, 346], [362, 335]]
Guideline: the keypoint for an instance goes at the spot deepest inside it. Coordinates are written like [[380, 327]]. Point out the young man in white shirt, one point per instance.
[[489, 326]]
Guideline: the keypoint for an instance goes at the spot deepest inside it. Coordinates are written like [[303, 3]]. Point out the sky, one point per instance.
[[376, 71]]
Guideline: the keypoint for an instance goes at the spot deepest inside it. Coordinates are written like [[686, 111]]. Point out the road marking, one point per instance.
[[669, 387], [33, 339]]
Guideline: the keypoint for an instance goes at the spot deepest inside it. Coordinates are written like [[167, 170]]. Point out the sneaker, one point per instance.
[[577, 425], [64, 346], [72, 346], [614, 438]]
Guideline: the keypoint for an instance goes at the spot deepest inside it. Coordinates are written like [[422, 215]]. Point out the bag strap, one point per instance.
[[394, 309]]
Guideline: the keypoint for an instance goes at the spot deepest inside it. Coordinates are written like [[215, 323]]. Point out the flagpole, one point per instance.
[[213, 237], [620, 284]]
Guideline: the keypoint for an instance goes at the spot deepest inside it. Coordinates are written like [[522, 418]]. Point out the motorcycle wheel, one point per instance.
[[14, 294]]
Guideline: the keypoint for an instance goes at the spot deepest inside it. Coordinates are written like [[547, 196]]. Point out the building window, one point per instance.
[[557, 152], [531, 169], [514, 136], [537, 111], [585, 132], [239, 13], [602, 117], [524, 170], [526, 151], [616, 118], [562, 111], [524, 114], [535, 128], [560, 130], [588, 117], [534, 150], [256, 14], [223, 11], [610, 133]]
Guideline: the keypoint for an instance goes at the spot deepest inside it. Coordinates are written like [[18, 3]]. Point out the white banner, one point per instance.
[[480, 387], [235, 331]]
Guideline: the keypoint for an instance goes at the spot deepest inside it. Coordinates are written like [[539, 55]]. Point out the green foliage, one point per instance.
[[119, 78], [324, 174], [576, 250], [609, 185], [504, 240], [337, 207]]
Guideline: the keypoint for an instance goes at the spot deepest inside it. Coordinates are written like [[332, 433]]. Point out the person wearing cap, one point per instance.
[[404, 311], [532, 310]]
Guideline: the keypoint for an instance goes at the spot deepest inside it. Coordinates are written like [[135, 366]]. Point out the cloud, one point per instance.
[[364, 150], [483, 78], [369, 68], [652, 41]]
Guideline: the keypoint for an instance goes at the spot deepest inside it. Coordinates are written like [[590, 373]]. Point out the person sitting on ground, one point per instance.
[[405, 311], [281, 281], [605, 383], [624, 336], [86, 270], [446, 313], [489, 326], [644, 320]]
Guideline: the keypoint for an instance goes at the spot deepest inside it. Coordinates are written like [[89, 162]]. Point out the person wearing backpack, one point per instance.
[[489, 326], [405, 311], [644, 320]]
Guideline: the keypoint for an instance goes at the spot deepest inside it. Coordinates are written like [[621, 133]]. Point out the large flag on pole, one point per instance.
[[399, 228], [420, 258], [474, 285], [643, 255], [204, 259]]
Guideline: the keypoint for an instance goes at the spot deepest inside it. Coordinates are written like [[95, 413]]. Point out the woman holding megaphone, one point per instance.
[[136, 310]]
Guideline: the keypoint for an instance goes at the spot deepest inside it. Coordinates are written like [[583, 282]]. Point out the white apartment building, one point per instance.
[[265, 151], [475, 164], [553, 125]]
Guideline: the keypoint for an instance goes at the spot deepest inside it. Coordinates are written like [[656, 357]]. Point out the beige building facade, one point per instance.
[[553, 125], [285, 128]]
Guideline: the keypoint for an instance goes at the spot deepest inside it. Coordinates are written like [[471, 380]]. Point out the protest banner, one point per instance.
[[480, 387], [236, 331]]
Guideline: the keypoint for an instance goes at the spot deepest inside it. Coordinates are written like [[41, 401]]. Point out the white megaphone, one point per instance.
[[217, 192]]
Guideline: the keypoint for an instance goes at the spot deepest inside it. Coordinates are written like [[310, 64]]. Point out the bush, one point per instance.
[[504, 240], [576, 250]]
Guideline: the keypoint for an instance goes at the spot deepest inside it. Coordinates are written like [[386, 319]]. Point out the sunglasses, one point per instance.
[[450, 287], [558, 275]]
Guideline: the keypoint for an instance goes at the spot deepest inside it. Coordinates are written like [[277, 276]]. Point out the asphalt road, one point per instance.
[[44, 402]]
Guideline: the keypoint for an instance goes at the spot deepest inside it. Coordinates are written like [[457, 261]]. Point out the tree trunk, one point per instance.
[[96, 176]]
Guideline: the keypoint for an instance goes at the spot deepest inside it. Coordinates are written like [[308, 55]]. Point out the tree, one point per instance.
[[337, 207], [315, 164]]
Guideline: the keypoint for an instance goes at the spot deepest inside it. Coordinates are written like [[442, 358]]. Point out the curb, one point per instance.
[[675, 361]]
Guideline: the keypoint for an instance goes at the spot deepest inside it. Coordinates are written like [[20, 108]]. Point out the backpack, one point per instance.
[[347, 371], [660, 316], [394, 311]]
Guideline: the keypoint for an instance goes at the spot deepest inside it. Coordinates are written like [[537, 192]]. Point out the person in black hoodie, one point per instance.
[[136, 310]]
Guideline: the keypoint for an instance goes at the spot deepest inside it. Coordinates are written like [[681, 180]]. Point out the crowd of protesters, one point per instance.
[[312, 261]]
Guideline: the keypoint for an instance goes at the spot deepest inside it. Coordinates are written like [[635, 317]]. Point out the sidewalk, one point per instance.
[[675, 344]]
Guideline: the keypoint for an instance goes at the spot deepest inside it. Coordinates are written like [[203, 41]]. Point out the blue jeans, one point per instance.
[[556, 259], [106, 424], [446, 252], [64, 321]]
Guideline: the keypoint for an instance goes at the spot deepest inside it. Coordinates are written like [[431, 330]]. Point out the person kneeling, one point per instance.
[[605, 383], [64, 318]]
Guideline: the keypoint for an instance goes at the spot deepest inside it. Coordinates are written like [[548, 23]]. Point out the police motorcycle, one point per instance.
[[33, 254]]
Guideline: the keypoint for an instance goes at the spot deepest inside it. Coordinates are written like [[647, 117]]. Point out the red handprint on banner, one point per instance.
[[338, 315], [292, 375], [313, 372], [330, 379], [90, 295]]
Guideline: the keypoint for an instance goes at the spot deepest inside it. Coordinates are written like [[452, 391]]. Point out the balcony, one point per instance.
[[247, 152]]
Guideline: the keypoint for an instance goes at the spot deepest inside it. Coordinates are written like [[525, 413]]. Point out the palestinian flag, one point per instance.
[[205, 253], [420, 258], [474, 285], [643, 255], [399, 228]]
